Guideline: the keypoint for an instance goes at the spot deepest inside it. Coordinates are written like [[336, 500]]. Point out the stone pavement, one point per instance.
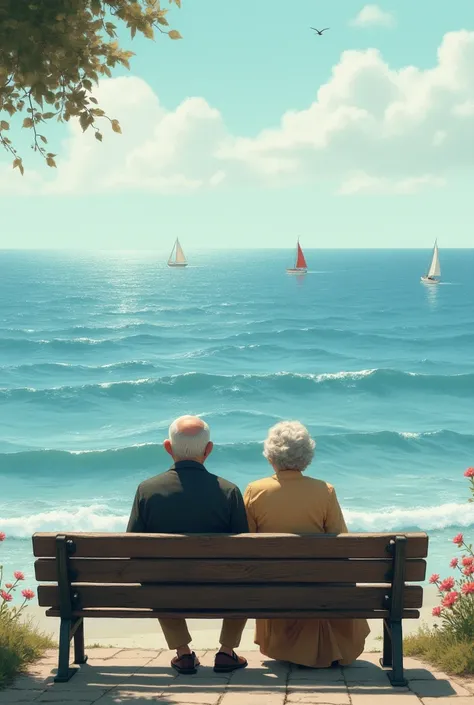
[[116, 676]]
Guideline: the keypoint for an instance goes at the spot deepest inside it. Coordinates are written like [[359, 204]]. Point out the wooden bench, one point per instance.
[[359, 576]]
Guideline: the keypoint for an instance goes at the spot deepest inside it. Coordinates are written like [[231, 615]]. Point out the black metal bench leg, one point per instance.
[[79, 651], [396, 675], [386, 660], [64, 671]]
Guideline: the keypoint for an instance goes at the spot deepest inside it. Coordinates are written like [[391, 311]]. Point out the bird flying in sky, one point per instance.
[[320, 31]]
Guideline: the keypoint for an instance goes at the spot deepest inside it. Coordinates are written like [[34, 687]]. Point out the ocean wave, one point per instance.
[[156, 334], [379, 382], [444, 516], [142, 456], [98, 517]]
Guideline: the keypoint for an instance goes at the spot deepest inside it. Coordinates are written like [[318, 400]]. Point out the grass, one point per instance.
[[20, 644], [440, 649]]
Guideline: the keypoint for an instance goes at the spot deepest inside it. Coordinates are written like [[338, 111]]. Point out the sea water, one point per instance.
[[99, 352]]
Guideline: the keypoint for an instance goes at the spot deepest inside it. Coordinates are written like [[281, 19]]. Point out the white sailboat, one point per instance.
[[177, 258], [434, 272]]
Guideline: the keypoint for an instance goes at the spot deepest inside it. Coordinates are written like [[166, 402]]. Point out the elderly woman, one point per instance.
[[289, 502]]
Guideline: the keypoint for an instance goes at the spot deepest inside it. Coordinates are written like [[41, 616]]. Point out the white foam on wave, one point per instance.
[[358, 374], [423, 518], [97, 517]]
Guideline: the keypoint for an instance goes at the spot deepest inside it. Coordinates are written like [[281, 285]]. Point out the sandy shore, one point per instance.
[[146, 634]]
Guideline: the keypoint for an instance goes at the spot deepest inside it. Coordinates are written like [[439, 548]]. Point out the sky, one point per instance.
[[253, 131]]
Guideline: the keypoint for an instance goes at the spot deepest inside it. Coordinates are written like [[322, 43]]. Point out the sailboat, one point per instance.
[[300, 263], [177, 258], [434, 272]]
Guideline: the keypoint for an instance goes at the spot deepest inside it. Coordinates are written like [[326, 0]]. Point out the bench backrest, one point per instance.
[[215, 575]]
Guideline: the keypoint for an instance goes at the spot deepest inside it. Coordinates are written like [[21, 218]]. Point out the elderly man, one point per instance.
[[187, 499]]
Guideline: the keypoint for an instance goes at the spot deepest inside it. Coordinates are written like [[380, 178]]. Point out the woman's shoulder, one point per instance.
[[319, 485], [263, 484]]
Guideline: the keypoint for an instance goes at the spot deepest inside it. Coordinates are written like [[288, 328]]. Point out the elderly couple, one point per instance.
[[188, 499]]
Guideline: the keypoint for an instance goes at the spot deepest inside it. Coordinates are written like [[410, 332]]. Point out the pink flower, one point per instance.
[[459, 539], [434, 578], [469, 472], [468, 589], [18, 575], [454, 563], [6, 597], [467, 560], [447, 584], [436, 611], [2, 536], [9, 586], [450, 598], [28, 594], [469, 570]]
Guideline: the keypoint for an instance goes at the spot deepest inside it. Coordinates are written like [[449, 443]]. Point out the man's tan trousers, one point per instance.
[[177, 634]]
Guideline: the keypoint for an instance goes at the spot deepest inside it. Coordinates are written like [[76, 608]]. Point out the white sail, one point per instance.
[[435, 269], [180, 258]]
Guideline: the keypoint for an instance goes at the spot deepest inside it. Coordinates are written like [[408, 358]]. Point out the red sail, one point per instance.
[[300, 260]]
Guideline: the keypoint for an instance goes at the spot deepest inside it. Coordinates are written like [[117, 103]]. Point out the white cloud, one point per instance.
[[361, 183], [370, 129], [374, 16]]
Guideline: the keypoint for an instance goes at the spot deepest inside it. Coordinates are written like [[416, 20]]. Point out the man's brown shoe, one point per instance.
[[224, 663], [186, 664]]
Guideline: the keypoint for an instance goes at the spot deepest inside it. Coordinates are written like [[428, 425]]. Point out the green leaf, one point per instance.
[[174, 34], [98, 136], [43, 139]]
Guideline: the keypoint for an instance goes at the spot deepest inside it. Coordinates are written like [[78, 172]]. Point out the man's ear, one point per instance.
[[167, 447], [208, 450]]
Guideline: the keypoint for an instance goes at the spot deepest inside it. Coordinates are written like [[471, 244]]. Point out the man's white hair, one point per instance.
[[185, 445], [289, 446]]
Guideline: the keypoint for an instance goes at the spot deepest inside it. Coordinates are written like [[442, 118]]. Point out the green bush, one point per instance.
[[441, 649], [20, 644]]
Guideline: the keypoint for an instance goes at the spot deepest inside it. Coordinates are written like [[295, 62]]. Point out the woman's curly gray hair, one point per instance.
[[289, 446]]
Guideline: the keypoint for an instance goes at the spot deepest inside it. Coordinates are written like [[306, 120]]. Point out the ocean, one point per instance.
[[99, 352]]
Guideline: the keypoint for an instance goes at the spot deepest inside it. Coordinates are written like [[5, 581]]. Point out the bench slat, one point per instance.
[[240, 597], [233, 614], [119, 570], [240, 546]]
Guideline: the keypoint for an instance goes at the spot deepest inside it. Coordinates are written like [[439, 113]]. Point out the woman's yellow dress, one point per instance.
[[290, 502]]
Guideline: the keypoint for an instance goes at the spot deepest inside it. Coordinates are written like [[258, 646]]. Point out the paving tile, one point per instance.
[[71, 696], [10, 696], [437, 688], [379, 696], [463, 700], [102, 652], [134, 654], [264, 678], [372, 675], [26, 682], [129, 698], [192, 695], [320, 696], [315, 675], [254, 698]]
